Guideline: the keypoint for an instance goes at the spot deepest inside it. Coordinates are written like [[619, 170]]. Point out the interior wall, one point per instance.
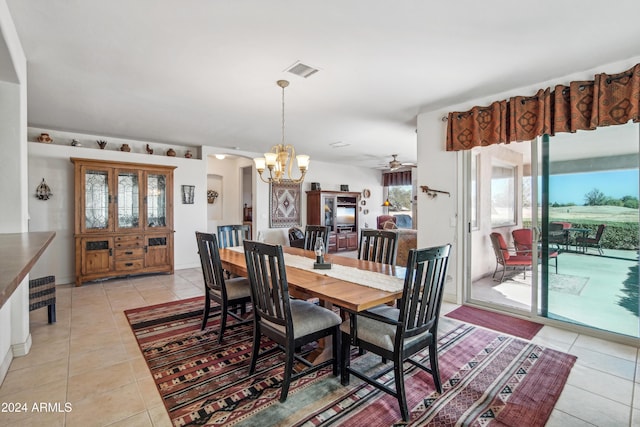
[[14, 314], [226, 174], [51, 161]]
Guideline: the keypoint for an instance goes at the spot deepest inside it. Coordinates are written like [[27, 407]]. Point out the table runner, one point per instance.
[[371, 279]]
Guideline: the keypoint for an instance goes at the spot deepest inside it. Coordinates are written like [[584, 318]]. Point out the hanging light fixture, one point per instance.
[[280, 160]]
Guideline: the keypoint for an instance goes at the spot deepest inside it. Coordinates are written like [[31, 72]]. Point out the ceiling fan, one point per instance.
[[396, 164]]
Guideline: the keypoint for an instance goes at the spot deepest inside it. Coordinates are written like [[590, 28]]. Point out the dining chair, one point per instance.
[[593, 241], [559, 235], [378, 245], [234, 292], [397, 334], [291, 323], [313, 233], [233, 235], [505, 258], [523, 242]]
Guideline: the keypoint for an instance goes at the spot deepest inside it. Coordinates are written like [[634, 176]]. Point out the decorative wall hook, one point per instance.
[[433, 193], [43, 192]]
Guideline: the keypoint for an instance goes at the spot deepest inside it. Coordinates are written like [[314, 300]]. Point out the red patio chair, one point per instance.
[[523, 241], [592, 241], [507, 259]]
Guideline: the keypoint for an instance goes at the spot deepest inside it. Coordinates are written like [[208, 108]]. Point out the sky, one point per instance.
[[571, 188]]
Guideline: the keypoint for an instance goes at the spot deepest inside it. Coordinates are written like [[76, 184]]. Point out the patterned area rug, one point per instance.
[[488, 378]]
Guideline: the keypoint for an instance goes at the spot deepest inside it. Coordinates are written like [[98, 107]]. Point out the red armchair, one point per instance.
[[523, 241], [384, 218]]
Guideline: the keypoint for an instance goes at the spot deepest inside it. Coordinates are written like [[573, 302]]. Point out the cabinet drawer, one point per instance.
[[131, 264], [127, 253], [129, 241]]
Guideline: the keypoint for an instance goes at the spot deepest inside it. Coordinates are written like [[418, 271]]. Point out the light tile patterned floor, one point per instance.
[[90, 359]]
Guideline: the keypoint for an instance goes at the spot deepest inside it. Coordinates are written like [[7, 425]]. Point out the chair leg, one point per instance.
[[256, 346], [336, 350], [435, 369], [398, 374], [205, 313], [345, 359], [223, 321], [288, 368], [51, 314]]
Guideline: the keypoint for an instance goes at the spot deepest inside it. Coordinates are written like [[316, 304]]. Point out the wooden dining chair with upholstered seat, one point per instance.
[[291, 323], [396, 334], [233, 235], [313, 233], [235, 293], [378, 245]]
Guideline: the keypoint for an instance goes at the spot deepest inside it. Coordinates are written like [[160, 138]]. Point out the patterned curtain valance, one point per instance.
[[609, 99], [396, 178]]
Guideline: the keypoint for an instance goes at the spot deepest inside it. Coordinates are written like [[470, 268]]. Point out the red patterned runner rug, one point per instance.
[[496, 321], [488, 379]]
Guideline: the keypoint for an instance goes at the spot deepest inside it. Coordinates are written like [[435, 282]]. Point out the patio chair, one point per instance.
[[396, 334], [228, 293], [523, 242], [594, 241], [291, 323], [506, 259], [559, 235]]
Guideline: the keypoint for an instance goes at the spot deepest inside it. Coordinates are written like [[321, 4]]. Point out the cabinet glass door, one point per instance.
[[329, 209], [96, 199], [128, 200], [156, 200]]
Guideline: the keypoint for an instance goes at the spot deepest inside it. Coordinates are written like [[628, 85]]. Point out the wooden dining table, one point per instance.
[[349, 296]]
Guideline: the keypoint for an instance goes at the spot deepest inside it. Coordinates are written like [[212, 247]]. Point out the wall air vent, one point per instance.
[[302, 70]]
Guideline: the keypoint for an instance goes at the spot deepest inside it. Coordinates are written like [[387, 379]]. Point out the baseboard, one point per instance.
[[6, 362], [22, 349]]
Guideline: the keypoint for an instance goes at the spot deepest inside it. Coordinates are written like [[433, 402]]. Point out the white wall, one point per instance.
[[225, 176], [51, 161], [441, 219], [14, 315]]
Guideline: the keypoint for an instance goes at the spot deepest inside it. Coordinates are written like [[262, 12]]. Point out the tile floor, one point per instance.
[[91, 360]]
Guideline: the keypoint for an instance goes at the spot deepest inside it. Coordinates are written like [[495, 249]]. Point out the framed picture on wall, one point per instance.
[[284, 205]]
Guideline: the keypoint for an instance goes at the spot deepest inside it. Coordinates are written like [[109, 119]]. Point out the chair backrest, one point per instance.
[[599, 232], [233, 235], [211, 265], [378, 245], [423, 289], [523, 241], [269, 286], [499, 247], [381, 219], [313, 233]]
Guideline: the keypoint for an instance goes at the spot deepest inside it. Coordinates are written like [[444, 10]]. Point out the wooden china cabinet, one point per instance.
[[123, 219], [339, 211]]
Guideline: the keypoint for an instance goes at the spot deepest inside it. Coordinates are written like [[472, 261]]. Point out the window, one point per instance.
[[503, 195]]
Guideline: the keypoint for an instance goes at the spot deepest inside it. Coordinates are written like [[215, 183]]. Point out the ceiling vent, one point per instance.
[[302, 70]]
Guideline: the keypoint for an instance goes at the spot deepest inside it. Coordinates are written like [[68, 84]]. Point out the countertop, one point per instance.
[[18, 253]]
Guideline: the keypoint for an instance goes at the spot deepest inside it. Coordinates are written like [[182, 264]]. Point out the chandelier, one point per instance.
[[280, 160]]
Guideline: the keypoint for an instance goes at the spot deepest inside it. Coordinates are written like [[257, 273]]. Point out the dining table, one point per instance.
[[340, 291], [329, 288]]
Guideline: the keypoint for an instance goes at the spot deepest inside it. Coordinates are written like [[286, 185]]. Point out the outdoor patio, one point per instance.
[[606, 298]]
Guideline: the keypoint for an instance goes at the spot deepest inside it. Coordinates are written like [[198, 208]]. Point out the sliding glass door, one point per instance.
[[563, 189], [589, 183]]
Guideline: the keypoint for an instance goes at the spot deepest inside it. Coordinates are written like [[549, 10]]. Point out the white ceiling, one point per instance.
[[204, 72]]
